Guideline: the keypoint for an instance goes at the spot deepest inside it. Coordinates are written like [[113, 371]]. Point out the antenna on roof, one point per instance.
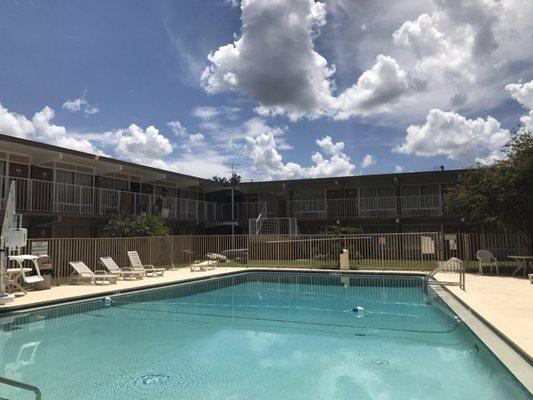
[[233, 167]]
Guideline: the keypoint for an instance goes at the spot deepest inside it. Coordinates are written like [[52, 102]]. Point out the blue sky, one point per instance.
[[293, 88]]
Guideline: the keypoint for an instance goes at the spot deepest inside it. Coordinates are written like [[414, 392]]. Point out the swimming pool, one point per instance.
[[255, 335]]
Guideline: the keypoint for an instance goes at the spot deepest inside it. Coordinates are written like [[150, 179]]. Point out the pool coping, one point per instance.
[[518, 362]]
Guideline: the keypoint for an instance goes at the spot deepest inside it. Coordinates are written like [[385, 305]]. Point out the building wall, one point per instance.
[[66, 199]]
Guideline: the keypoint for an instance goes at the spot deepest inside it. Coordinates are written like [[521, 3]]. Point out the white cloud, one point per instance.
[[274, 62], [80, 104], [368, 161], [527, 121], [204, 163], [207, 113], [136, 144], [221, 124], [196, 138], [398, 169], [42, 129], [177, 128], [268, 162], [337, 165], [148, 147], [456, 137], [13, 124], [523, 93], [463, 52], [375, 89], [454, 54]]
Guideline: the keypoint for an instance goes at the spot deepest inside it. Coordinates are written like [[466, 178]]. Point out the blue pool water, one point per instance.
[[255, 336]]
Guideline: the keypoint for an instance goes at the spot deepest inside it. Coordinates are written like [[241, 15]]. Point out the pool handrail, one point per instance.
[[430, 278], [21, 385]]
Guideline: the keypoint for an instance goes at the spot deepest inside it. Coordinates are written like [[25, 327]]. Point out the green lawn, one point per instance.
[[505, 268]]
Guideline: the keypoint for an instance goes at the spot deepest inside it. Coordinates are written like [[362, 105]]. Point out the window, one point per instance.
[[106, 182], [121, 184], [308, 195], [429, 190], [411, 190], [84, 179], [65, 177], [377, 202], [420, 190], [381, 191]]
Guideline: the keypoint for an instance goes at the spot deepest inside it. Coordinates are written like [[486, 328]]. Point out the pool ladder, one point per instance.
[[452, 264], [21, 385]]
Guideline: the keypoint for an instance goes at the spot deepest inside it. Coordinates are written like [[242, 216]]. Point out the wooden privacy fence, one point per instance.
[[394, 251]]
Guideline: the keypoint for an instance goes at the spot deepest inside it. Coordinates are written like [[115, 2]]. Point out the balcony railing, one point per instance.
[[371, 207], [421, 206], [54, 197], [241, 211]]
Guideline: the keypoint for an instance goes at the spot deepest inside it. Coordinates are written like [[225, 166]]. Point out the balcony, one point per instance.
[[367, 208], [61, 198], [421, 206]]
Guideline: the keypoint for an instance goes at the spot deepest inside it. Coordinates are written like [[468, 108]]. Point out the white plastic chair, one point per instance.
[[20, 262], [486, 259]]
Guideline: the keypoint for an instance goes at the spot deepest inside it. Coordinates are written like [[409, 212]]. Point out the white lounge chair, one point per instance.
[[137, 265], [486, 259], [203, 265], [84, 274], [216, 257], [125, 273]]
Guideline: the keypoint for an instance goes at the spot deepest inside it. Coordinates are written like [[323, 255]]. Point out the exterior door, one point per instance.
[[19, 173], [332, 203], [42, 189]]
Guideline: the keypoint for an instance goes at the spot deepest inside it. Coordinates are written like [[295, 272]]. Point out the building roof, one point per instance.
[[42, 152]]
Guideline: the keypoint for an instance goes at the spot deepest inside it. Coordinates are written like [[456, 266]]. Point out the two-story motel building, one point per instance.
[[67, 193]]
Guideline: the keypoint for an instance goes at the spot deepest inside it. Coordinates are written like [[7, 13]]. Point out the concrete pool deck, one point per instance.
[[75, 292], [506, 303]]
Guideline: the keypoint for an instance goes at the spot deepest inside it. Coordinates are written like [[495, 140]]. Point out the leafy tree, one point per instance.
[[144, 225], [499, 195], [234, 179]]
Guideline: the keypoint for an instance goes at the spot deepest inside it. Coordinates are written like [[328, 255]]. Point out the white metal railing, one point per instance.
[[421, 251], [56, 197], [273, 226], [421, 206], [452, 264], [378, 207], [241, 211], [367, 207]]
